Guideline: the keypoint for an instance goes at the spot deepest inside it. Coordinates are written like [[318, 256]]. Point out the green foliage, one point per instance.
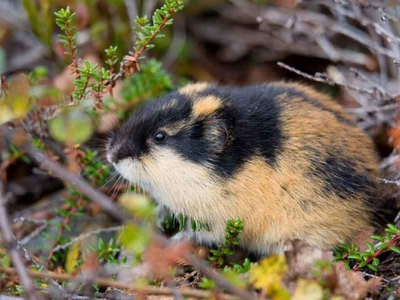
[[16, 153], [5, 259], [135, 239], [41, 19], [37, 74], [232, 231], [111, 54], [107, 251], [146, 32], [232, 274], [38, 144], [64, 20], [355, 259], [94, 170], [151, 82], [207, 283], [179, 221], [60, 256], [244, 268]]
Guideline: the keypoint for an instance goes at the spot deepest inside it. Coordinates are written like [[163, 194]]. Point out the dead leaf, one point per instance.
[[161, 258], [301, 259], [352, 285]]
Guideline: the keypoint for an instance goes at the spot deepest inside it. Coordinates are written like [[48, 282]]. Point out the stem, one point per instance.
[[105, 282], [74, 63], [392, 242]]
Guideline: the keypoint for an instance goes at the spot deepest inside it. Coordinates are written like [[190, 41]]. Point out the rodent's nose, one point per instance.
[[120, 153]]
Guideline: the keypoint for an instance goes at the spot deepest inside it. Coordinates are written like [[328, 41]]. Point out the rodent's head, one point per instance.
[[171, 140]]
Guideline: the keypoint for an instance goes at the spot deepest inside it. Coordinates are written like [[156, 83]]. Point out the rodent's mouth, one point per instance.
[[131, 170]]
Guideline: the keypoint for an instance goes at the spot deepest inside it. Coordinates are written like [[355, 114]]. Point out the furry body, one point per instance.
[[283, 157]]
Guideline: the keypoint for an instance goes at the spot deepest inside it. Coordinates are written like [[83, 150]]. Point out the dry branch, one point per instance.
[[105, 282], [11, 245]]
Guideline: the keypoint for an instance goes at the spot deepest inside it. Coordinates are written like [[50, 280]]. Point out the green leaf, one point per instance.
[[355, 256], [135, 238], [370, 247], [382, 246], [376, 261], [393, 229], [71, 126], [395, 249], [372, 267], [206, 283], [363, 264], [377, 238]]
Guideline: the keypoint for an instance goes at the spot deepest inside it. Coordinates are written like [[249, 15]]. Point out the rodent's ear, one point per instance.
[[216, 134]]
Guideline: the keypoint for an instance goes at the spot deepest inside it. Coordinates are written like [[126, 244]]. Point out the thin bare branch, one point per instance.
[[8, 238], [85, 236], [105, 282]]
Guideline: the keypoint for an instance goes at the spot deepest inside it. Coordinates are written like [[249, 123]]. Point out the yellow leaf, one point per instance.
[[270, 270], [268, 274], [72, 258], [6, 114], [308, 290]]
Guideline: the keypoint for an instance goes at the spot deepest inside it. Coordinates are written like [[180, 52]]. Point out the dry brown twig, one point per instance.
[[10, 244], [105, 282]]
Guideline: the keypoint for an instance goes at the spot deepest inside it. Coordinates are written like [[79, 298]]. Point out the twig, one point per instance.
[[29, 258], [322, 77], [85, 236], [5, 228], [105, 282], [77, 182], [36, 232], [130, 63]]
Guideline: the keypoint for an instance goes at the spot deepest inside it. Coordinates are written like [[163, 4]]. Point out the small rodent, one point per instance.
[[283, 157]]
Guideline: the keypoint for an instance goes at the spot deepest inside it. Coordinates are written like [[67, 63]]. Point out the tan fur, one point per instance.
[[192, 89], [206, 106]]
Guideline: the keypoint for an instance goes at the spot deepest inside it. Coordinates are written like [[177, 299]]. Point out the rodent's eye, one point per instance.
[[160, 137]]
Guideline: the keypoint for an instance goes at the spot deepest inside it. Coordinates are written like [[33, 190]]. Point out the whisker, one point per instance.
[[113, 189], [97, 171], [112, 177]]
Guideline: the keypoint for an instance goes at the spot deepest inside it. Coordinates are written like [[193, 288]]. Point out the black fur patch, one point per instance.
[[340, 177], [252, 118]]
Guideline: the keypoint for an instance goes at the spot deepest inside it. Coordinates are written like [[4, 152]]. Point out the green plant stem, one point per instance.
[[392, 242]]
